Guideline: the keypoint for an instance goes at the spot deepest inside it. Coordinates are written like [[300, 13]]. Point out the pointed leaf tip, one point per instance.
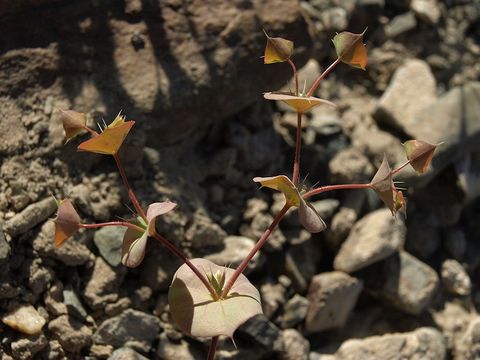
[[283, 184], [73, 123], [420, 154], [277, 50], [67, 221], [383, 185], [299, 103], [350, 49]]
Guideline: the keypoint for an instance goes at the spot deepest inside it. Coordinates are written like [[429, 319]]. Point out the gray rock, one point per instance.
[[423, 237], [204, 232], [54, 300], [259, 224], [4, 248], [400, 24], [236, 249], [253, 207], [423, 343], [273, 297], [326, 207], [261, 334], [469, 347], [26, 348], [452, 119], [39, 277], [109, 242], [294, 311], [426, 10], [74, 305], [177, 350], [332, 297], [126, 353], [373, 238], [158, 267], [102, 287], [455, 279], [72, 334], [455, 242], [404, 281], [31, 216], [350, 166], [411, 89], [295, 346], [131, 328]]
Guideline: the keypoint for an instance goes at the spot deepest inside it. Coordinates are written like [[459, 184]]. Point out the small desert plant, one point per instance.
[[208, 300]]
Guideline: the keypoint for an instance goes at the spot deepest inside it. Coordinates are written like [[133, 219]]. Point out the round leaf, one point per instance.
[[309, 218]]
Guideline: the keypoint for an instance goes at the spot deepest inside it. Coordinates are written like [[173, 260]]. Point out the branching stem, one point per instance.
[[321, 77], [298, 146], [295, 75], [335, 187], [113, 223], [263, 239]]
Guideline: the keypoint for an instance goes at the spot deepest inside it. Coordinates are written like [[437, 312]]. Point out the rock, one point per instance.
[[70, 333], [109, 242], [39, 277], [350, 166], [54, 350], [182, 350], [259, 224], [326, 207], [236, 249], [31, 216], [204, 232], [253, 207], [26, 348], [455, 279], [400, 24], [469, 347], [4, 248], [117, 331], [426, 10], [73, 304], [54, 300], [102, 287], [455, 122], [404, 281], [24, 318], [423, 343], [332, 297], [423, 237], [126, 353], [294, 311], [273, 297], [158, 267], [261, 335], [295, 346], [455, 242], [411, 89], [71, 253], [373, 238], [101, 351]]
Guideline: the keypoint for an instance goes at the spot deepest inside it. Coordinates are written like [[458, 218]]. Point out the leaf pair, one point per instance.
[[299, 103], [135, 242], [307, 214]]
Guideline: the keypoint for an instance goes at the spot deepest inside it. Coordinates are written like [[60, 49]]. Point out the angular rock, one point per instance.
[[73, 304], [273, 297], [31, 216], [411, 89], [26, 348], [455, 279], [373, 238], [400, 24], [126, 353], [469, 347], [350, 166], [427, 10], [260, 334], [102, 287], [182, 350], [118, 331], [294, 311], [204, 232], [158, 267], [332, 297], [4, 248], [423, 343], [24, 318], [72, 334], [260, 222], [109, 242], [404, 281], [295, 346]]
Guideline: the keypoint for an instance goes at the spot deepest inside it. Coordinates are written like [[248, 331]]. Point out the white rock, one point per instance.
[[25, 319]]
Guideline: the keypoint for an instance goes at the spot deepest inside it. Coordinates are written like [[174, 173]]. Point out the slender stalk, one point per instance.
[[298, 146], [263, 239], [321, 77], [212, 348], [397, 170], [182, 256], [335, 187], [91, 131], [295, 75], [113, 223], [131, 194]]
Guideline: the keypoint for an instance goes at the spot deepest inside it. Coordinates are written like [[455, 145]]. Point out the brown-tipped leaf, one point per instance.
[[383, 185], [67, 221], [309, 218], [277, 50], [420, 154], [283, 184], [73, 122], [350, 49], [197, 314], [299, 103]]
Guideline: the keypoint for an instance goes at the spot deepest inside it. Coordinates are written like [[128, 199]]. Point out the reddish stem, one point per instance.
[[335, 187], [397, 170], [213, 347], [298, 145], [295, 75], [321, 77], [131, 194], [113, 223], [182, 256], [91, 131], [263, 239]]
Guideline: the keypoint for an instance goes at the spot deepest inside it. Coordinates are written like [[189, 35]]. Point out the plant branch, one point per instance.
[[131, 194], [295, 75], [113, 223], [212, 348], [263, 239], [397, 170], [298, 145], [321, 77], [182, 256], [335, 187], [91, 131]]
